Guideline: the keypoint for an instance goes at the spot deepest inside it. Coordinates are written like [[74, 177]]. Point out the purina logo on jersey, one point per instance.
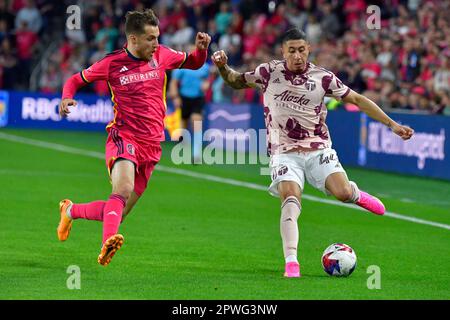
[[137, 77], [310, 85]]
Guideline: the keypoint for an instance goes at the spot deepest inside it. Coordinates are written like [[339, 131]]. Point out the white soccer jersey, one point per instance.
[[293, 104]]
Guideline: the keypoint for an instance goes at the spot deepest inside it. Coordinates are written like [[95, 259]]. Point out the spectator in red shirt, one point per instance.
[[252, 40], [51, 81], [25, 44]]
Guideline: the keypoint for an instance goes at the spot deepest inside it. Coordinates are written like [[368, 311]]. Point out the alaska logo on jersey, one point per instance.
[[289, 96]]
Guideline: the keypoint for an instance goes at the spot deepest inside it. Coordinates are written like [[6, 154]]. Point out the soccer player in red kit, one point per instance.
[[136, 76]]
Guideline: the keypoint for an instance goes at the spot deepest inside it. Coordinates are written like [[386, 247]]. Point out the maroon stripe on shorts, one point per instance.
[[117, 141]]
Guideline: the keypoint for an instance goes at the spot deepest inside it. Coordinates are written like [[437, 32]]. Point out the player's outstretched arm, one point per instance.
[[197, 58], [231, 77], [70, 88], [374, 111]]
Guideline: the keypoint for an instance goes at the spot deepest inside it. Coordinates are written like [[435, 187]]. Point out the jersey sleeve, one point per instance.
[[98, 71], [334, 87], [172, 59], [259, 77]]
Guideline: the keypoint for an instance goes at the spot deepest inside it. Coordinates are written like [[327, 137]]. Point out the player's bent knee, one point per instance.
[[287, 195], [124, 189], [289, 191]]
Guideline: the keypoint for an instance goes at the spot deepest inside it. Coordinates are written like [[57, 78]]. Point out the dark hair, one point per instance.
[[293, 34], [135, 21]]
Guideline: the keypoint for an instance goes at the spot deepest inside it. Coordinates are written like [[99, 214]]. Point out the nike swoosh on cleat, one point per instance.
[[112, 212]]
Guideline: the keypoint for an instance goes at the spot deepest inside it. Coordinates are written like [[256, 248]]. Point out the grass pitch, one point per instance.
[[191, 238]]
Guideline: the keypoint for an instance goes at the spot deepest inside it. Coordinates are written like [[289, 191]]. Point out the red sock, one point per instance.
[[112, 215], [89, 211]]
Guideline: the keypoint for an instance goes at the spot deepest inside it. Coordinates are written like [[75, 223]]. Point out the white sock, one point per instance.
[[68, 211], [355, 194], [290, 211], [291, 258]]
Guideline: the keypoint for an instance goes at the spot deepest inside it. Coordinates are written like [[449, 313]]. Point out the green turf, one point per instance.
[[190, 238]]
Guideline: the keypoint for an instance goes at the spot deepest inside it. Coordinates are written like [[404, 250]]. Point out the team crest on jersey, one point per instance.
[[153, 64], [130, 149], [310, 85]]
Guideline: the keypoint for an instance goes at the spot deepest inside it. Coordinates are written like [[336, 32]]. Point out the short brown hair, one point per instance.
[[135, 21]]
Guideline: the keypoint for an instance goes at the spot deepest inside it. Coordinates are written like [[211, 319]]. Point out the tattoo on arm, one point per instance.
[[233, 78]]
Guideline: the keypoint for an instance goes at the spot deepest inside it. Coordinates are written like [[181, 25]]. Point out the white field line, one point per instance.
[[9, 172], [188, 173]]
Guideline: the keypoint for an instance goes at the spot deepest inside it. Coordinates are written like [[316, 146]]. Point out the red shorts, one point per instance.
[[144, 156]]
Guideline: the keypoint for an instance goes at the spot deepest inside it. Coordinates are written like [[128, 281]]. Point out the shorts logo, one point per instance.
[[279, 172], [327, 159], [282, 170], [130, 149]]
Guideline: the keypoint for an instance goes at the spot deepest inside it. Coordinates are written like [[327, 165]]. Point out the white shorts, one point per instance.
[[315, 165]]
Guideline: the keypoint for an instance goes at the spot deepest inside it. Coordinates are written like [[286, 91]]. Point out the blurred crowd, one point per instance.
[[404, 65]]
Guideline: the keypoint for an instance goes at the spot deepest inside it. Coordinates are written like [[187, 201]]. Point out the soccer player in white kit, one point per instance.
[[298, 139]]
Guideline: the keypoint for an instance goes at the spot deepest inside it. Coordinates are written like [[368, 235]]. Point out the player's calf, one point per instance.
[[290, 211]]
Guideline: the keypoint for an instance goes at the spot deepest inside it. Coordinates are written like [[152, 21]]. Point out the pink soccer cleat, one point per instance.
[[371, 203], [292, 270]]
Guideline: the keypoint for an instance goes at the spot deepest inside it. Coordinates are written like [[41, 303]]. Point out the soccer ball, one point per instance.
[[339, 260]]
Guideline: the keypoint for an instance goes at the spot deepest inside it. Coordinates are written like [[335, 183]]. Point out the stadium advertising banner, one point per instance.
[[359, 140], [33, 110], [362, 141], [235, 127]]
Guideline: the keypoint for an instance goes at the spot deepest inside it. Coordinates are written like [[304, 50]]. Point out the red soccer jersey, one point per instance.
[[138, 90]]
